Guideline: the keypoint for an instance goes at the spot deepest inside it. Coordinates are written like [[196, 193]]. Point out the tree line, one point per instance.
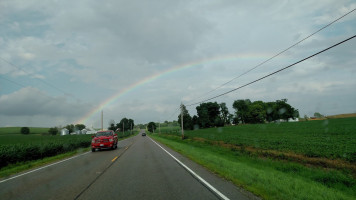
[[212, 114], [70, 127], [124, 125]]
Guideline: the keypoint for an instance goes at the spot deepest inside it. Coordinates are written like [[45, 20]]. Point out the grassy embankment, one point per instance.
[[305, 160], [20, 152]]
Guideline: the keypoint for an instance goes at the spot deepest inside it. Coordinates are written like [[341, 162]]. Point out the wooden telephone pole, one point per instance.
[[102, 120], [181, 119]]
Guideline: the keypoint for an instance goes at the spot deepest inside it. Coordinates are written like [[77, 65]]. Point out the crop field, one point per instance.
[[16, 130], [331, 138], [342, 116], [21, 148], [169, 129]]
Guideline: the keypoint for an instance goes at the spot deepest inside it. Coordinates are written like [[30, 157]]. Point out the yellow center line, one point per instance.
[[114, 159]]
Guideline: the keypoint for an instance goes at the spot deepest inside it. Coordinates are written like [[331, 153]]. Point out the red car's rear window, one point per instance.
[[107, 133]]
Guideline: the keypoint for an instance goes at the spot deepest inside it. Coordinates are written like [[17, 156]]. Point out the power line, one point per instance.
[[43, 81], [276, 55], [21, 85], [175, 112], [16, 83], [275, 71]]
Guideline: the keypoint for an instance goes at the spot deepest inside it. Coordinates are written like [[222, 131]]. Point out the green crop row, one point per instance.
[[332, 138], [38, 149]]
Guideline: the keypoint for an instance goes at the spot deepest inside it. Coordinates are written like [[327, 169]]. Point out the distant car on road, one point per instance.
[[143, 134], [104, 140]]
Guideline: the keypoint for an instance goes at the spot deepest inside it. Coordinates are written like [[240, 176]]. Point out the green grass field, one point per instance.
[[332, 138], [16, 130]]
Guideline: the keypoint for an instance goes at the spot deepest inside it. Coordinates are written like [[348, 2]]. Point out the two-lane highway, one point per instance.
[[138, 169]]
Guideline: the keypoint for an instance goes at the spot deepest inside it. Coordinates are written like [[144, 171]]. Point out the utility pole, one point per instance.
[[123, 128], [131, 128], [159, 127], [181, 119], [102, 120]]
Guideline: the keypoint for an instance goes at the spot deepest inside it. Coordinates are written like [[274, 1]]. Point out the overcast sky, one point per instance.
[[60, 60]]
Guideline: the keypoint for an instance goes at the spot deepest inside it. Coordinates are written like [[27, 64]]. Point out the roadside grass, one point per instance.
[[265, 177], [24, 166]]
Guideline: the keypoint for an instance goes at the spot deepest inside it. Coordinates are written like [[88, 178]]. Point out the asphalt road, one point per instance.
[[138, 169]]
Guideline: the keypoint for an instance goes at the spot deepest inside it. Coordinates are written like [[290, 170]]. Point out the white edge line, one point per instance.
[[217, 192], [43, 167]]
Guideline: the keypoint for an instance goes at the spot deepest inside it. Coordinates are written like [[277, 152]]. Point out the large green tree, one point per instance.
[[79, 126], [241, 109], [125, 124], [224, 113], [318, 115], [25, 130], [187, 119], [112, 126], [195, 122], [53, 131], [259, 111], [271, 111], [131, 123], [151, 127], [256, 112], [209, 114], [70, 128], [285, 111]]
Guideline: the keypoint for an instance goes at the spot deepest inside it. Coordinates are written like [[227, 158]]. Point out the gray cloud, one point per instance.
[[95, 49], [31, 101]]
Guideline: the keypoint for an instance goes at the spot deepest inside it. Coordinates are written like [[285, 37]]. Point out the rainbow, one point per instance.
[[153, 77]]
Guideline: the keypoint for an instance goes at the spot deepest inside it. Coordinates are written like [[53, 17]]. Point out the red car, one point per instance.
[[104, 140]]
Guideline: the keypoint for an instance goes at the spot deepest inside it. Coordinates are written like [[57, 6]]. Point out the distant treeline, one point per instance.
[[124, 125], [212, 114]]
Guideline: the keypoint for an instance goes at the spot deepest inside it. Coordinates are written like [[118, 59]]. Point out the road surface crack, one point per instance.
[[101, 173]]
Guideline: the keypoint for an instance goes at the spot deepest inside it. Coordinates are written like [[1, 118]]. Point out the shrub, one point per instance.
[[25, 130], [53, 131]]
